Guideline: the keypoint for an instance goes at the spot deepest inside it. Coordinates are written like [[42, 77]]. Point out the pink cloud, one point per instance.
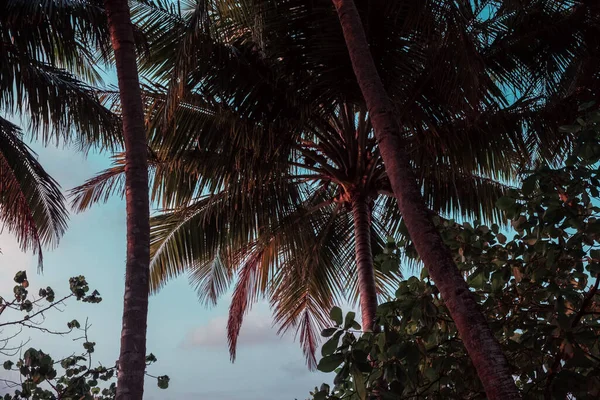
[[256, 330]]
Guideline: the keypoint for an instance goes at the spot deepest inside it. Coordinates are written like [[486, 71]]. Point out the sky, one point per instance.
[[188, 339]]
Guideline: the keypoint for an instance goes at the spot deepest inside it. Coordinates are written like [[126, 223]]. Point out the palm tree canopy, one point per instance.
[[47, 54], [258, 133], [49, 50], [444, 62]]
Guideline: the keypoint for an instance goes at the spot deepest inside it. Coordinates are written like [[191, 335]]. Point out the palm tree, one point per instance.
[[337, 160], [246, 104], [323, 204], [132, 357], [45, 77], [483, 348]]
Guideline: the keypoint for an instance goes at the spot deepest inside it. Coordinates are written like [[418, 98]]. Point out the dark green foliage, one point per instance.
[[537, 286], [163, 381]]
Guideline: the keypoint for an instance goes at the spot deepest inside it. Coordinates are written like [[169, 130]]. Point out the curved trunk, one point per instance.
[[483, 348], [364, 261], [132, 364]]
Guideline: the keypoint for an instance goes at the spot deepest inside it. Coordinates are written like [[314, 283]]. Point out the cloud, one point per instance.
[[256, 330]]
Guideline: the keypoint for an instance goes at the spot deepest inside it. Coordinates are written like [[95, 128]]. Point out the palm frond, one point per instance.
[[99, 188], [49, 64], [248, 289], [451, 193], [307, 284], [63, 33], [223, 223], [57, 103], [211, 280], [32, 206]]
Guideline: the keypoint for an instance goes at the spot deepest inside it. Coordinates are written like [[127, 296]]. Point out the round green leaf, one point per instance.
[[336, 315], [330, 363]]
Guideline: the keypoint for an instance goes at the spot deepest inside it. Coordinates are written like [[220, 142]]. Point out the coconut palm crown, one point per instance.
[[261, 147]]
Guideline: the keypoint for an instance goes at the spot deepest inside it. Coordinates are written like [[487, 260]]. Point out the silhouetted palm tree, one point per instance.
[[258, 101]]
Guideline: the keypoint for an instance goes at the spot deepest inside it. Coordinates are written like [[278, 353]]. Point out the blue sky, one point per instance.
[[188, 339]]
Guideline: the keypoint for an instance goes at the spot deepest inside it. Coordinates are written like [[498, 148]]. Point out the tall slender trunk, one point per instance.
[[132, 364], [367, 288], [364, 261], [483, 348]]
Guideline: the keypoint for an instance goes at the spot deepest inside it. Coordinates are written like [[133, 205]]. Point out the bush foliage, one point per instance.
[[536, 281]]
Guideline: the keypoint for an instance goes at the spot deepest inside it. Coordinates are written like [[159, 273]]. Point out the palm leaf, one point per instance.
[[57, 103], [48, 48], [32, 206]]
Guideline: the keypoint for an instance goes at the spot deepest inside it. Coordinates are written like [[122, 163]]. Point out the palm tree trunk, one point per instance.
[[364, 261], [361, 213], [132, 364], [484, 350]]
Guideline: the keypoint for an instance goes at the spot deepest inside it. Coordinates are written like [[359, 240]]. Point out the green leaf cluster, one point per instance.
[[44, 378], [537, 284]]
